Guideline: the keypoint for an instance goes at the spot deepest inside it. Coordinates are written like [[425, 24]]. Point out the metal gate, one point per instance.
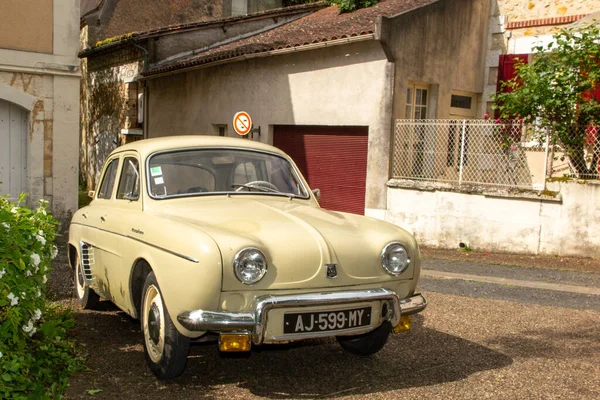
[[13, 149], [332, 159]]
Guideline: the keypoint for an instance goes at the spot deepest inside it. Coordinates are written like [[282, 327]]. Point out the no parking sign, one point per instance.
[[242, 123]]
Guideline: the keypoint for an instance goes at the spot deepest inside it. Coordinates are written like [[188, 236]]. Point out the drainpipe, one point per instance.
[[145, 94]]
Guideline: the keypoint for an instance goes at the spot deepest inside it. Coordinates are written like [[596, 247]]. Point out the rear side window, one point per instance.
[[108, 180], [129, 183]]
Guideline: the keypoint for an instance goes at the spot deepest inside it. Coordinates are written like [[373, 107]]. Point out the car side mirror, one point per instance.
[[91, 193], [317, 193]]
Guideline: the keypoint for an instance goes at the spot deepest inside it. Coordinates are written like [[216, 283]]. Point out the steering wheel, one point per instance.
[[258, 184]]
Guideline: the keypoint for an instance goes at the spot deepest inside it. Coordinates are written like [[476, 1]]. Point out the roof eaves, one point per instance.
[[233, 56], [114, 41]]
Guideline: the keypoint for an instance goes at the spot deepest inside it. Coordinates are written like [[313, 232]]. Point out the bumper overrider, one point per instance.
[[255, 322]]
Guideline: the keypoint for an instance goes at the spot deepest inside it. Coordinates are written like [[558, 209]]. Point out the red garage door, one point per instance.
[[331, 158]]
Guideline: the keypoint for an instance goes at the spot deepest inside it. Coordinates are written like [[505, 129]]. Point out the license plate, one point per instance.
[[326, 320]]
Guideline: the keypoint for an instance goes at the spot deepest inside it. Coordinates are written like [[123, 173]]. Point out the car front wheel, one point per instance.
[[86, 296], [366, 344], [166, 349]]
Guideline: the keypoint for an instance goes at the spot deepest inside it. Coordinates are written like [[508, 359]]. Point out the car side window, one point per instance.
[[108, 180], [129, 182]]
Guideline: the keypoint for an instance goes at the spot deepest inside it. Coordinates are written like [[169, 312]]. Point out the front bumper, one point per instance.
[[256, 320]]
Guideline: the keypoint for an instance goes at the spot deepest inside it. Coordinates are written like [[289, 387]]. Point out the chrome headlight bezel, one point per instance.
[[385, 262], [242, 257]]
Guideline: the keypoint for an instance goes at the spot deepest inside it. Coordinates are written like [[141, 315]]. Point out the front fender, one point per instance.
[[187, 264]]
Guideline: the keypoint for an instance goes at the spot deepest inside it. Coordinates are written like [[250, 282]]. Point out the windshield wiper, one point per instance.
[[257, 187]]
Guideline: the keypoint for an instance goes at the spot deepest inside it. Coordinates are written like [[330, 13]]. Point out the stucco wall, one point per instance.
[[47, 86], [26, 25], [568, 225], [441, 44], [342, 85]]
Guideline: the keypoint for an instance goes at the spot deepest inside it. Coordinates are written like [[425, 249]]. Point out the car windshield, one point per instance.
[[183, 173]]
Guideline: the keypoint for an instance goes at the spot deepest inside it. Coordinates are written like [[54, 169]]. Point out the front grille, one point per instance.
[[87, 259]]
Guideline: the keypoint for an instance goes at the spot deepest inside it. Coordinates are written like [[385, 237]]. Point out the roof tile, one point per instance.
[[320, 26]]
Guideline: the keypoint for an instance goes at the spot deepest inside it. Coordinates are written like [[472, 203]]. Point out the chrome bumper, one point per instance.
[[256, 320]]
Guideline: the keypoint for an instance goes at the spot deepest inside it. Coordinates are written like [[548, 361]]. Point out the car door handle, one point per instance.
[[103, 219]]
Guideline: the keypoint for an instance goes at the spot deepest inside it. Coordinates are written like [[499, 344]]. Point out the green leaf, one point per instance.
[[7, 377], [92, 392]]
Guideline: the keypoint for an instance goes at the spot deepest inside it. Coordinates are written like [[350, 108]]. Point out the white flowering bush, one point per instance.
[[35, 355]]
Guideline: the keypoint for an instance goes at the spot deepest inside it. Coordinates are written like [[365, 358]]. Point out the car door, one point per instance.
[[125, 210], [106, 251]]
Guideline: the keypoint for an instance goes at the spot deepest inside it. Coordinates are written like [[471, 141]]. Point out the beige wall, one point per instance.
[[47, 86], [27, 25], [443, 45], [342, 85]]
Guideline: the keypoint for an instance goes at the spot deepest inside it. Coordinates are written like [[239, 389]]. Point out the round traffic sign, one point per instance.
[[242, 123]]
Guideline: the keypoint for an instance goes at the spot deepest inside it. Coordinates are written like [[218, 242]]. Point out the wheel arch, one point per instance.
[[72, 255], [141, 269]]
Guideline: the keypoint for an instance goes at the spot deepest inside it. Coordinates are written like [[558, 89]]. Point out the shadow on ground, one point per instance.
[[309, 369]]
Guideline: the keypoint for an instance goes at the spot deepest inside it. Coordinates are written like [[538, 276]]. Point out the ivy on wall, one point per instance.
[[104, 100]]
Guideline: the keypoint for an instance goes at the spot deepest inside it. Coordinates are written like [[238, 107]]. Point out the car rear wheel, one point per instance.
[[86, 296], [166, 349], [368, 343]]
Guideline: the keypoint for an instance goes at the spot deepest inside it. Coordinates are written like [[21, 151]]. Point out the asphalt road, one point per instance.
[[475, 345]]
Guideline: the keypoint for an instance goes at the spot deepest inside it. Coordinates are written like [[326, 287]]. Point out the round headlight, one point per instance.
[[394, 258], [249, 265]]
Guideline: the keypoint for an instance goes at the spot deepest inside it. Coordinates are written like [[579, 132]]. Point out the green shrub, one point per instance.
[[351, 5], [35, 355]]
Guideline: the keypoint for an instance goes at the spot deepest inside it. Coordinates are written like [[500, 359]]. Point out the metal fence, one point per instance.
[[482, 152]]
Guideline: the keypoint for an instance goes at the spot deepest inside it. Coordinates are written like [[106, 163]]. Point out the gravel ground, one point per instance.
[[459, 348]]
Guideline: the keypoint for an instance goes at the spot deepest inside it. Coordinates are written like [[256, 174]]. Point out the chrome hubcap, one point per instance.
[[79, 281], [154, 323], [80, 275]]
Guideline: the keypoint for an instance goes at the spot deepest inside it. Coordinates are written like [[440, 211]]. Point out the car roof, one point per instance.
[[146, 147]]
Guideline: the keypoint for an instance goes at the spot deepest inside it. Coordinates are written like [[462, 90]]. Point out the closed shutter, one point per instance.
[[332, 159], [13, 150], [507, 71]]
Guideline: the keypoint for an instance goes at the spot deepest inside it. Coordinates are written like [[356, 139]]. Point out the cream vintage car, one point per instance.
[[204, 236]]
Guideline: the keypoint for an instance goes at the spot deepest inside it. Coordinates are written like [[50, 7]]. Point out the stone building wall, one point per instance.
[[109, 105], [542, 17], [44, 83]]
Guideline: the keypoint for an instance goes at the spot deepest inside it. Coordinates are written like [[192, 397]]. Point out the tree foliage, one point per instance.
[[556, 91], [351, 5]]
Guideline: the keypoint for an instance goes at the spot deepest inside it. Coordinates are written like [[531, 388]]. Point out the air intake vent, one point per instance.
[[87, 259]]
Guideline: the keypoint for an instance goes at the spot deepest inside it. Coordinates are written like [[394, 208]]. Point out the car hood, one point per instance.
[[297, 238]]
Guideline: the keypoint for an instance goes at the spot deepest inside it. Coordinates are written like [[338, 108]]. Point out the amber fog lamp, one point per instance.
[[234, 342], [403, 325]]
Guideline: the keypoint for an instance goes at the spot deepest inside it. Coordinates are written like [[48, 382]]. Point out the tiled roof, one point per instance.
[[323, 25], [199, 24], [87, 6]]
